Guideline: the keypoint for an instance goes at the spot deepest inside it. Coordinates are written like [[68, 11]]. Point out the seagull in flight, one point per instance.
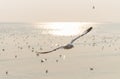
[[69, 45]]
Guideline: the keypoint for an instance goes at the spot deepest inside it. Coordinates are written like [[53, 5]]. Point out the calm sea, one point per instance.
[[94, 56]]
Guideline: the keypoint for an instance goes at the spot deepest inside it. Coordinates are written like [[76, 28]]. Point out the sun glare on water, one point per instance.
[[63, 28]]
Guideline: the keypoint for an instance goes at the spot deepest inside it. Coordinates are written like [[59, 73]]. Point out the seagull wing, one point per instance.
[[50, 50], [84, 33]]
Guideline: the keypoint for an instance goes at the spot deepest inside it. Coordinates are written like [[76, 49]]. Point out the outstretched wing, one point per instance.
[[50, 50], [85, 32]]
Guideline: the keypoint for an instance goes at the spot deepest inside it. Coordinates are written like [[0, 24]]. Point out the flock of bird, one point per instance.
[[19, 46], [21, 42], [17, 43]]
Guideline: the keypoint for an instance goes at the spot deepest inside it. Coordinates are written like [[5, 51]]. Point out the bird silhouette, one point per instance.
[[93, 7], [69, 45]]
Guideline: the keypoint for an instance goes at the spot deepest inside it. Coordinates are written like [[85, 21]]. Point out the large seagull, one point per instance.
[[69, 45]]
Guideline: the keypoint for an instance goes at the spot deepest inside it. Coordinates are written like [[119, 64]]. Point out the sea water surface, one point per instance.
[[95, 55]]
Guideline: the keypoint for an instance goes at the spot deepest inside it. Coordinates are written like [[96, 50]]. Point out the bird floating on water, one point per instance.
[[69, 45]]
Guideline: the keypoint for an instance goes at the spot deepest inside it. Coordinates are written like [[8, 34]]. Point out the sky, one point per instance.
[[59, 11]]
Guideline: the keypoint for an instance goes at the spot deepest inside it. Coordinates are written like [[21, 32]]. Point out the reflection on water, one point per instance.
[[64, 28]]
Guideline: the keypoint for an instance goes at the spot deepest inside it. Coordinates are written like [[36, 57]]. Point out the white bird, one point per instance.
[[69, 45]]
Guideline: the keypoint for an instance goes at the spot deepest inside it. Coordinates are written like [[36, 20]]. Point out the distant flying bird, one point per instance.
[[69, 45], [93, 7]]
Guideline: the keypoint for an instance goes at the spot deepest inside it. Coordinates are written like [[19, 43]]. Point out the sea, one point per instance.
[[96, 55]]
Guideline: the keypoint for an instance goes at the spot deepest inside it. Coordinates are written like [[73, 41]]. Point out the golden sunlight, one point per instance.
[[64, 28]]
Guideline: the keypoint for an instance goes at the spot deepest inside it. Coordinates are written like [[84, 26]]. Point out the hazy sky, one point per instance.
[[59, 10]]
